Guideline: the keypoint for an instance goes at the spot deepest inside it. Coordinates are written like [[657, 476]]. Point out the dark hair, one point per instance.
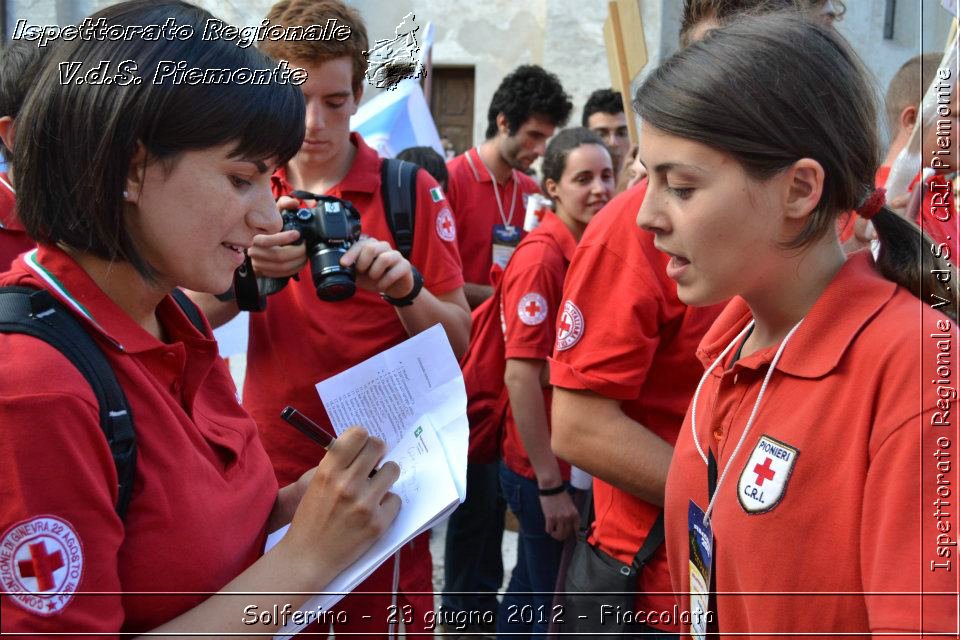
[[528, 91], [908, 85], [770, 90], [431, 162], [20, 60], [555, 158], [75, 141], [314, 51], [696, 11], [602, 101]]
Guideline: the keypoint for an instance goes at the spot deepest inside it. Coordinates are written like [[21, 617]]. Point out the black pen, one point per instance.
[[311, 429], [308, 427]]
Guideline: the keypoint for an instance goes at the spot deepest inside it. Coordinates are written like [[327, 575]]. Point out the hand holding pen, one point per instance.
[[311, 429], [345, 507], [307, 427]]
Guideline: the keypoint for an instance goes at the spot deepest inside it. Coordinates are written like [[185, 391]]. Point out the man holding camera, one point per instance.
[[300, 339]]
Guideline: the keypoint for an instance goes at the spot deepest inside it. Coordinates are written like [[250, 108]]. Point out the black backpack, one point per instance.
[[398, 187], [37, 313]]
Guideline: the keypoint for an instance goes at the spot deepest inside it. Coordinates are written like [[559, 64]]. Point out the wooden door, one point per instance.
[[451, 102]]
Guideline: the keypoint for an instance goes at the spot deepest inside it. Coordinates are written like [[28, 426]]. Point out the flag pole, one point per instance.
[[624, 75]]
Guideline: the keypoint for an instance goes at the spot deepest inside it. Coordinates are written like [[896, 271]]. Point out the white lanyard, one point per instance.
[[496, 192], [756, 406]]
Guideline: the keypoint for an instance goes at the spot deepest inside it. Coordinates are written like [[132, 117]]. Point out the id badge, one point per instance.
[[700, 536], [505, 241]]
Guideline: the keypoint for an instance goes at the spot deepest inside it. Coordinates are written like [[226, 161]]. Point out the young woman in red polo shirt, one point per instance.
[[805, 482], [578, 175], [165, 189]]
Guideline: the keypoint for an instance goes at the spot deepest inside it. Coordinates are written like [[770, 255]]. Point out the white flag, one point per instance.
[[394, 120]]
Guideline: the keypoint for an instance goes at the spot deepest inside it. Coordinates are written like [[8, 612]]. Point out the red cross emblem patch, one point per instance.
[[532, 309], [41, 562], [763, 480], [446, 227], [569, 326]]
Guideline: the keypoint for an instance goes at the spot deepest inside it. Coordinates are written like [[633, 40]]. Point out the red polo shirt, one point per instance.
[[300, 340], [470, 189], [630, 339], [532, 289], [13, 237], [843, 503], [203, 489]]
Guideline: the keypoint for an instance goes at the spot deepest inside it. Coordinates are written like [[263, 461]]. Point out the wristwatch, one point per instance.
[[407, 300], [552, 491]]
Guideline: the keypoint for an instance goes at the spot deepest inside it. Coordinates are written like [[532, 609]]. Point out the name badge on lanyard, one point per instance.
[[699, 523], [506, 236], [505, 241], [700, 535]]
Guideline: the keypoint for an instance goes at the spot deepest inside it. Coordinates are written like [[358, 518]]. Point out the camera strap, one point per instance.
[[398, 181]]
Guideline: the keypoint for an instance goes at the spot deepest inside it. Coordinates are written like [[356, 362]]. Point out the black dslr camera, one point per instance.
[[328, 230]]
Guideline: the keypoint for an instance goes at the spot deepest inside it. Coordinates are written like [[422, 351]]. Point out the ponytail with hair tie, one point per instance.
[[873, 204], [906, 257]]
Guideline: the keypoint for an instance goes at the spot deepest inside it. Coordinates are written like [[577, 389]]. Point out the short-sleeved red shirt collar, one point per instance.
[[846, 305], [70, 284], [478, 168], [363, 177]]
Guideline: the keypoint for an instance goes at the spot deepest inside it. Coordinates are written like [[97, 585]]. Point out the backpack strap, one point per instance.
[[655, 536], [398, 188], [36, 313], [191, 310]]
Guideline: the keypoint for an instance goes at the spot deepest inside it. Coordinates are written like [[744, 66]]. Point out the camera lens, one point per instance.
[[332, 281], [335, 287]]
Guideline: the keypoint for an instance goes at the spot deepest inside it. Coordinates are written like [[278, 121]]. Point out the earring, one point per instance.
[[126, 194]]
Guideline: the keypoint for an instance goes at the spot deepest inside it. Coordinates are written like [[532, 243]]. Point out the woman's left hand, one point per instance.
[[380, 268]]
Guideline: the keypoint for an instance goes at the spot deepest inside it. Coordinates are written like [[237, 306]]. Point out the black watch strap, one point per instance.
[[553, 491], [408, 299]]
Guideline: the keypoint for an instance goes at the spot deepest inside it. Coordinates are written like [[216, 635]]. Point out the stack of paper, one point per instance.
[[413, 398]]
